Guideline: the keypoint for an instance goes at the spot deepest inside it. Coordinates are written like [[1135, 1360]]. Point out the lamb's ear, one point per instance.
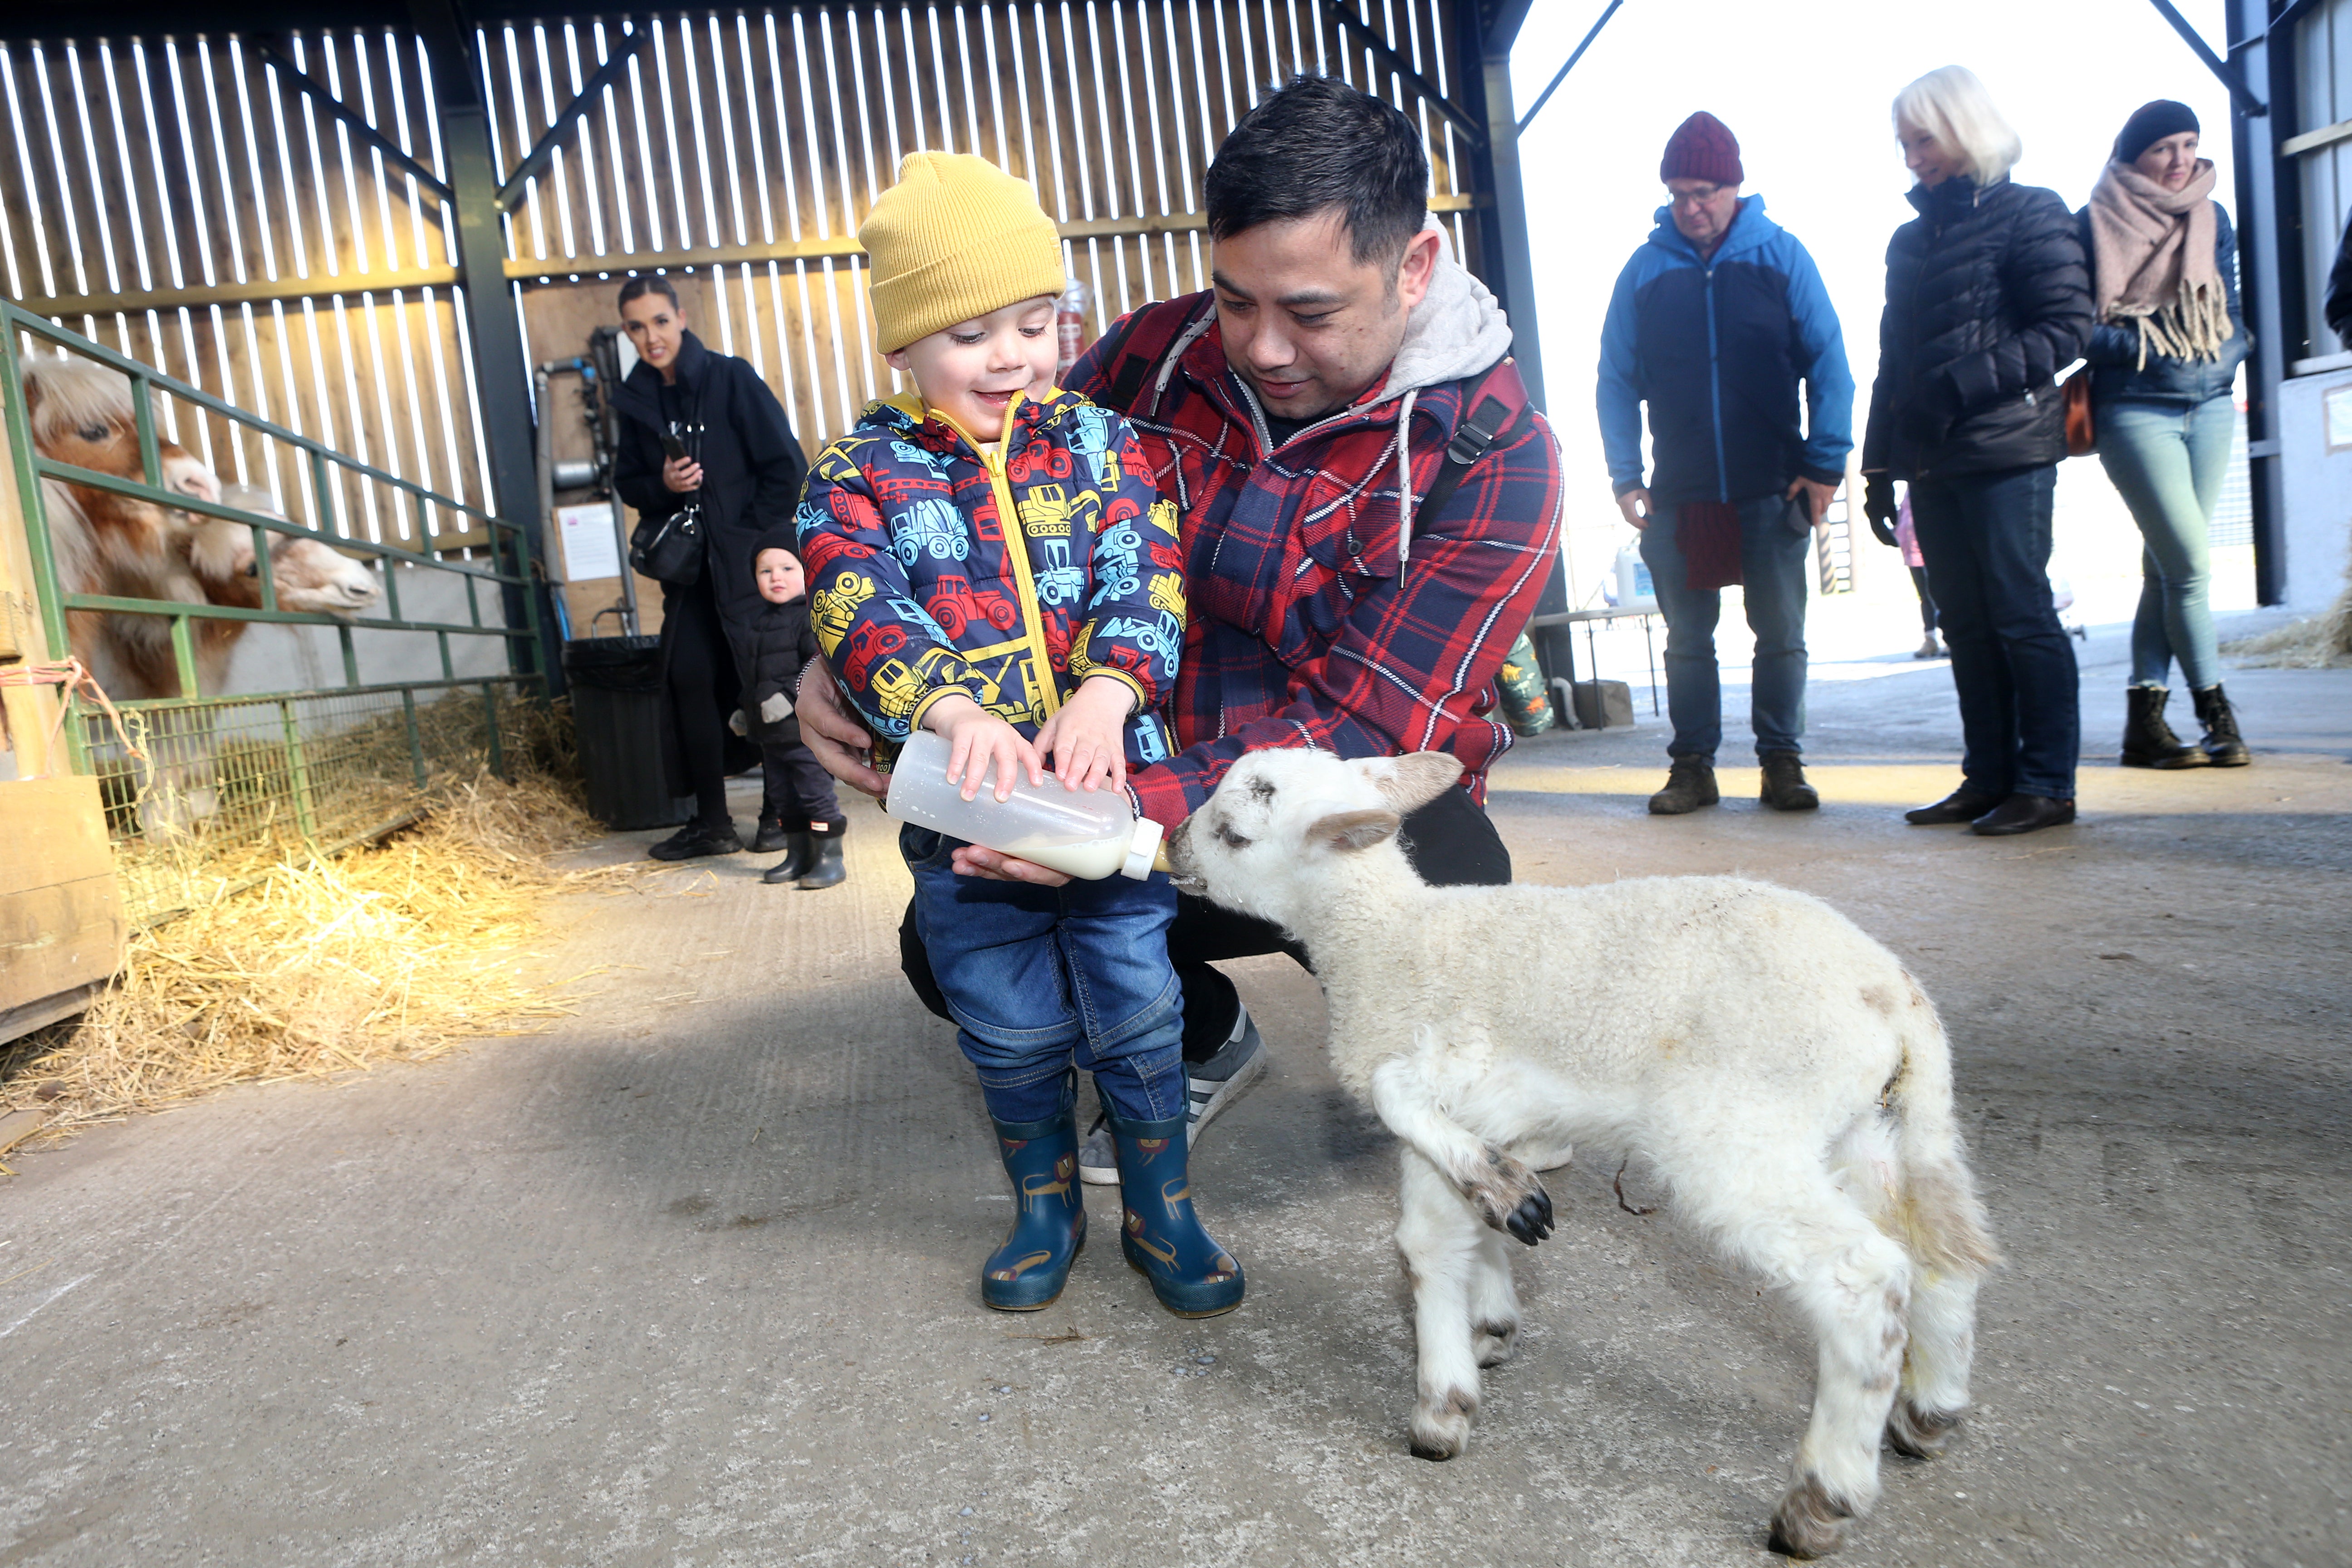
[[1413, 780], [1353, 829]]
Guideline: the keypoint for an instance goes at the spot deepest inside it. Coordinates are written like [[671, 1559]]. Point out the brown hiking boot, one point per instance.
[[1690, 784], [1785, 788]]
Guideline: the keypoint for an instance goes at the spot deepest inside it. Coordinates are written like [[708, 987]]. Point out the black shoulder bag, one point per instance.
[[669, 549]]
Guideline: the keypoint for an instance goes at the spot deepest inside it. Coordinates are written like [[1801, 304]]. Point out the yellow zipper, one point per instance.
[[1016, 551]]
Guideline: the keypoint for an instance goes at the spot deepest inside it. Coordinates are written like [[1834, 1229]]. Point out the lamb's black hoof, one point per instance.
[[1531, 1221]]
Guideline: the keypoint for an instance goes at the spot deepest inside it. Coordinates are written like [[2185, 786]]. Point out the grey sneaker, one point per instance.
[[1209, 1086]]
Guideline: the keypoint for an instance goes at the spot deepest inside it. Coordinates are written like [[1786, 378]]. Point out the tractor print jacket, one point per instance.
[[914, 592]]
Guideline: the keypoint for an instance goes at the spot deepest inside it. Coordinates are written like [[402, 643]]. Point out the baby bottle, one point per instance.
[[1081, 834]]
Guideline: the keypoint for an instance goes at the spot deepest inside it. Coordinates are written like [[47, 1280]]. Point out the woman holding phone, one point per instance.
[[702, 441]]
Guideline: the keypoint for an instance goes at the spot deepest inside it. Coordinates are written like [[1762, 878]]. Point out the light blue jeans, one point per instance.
[[2169, 462]]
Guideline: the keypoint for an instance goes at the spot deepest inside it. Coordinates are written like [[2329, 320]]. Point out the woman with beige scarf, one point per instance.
[[2162, 364]]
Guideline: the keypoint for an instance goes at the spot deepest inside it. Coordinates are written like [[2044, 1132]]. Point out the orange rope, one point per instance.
[[77, 681]]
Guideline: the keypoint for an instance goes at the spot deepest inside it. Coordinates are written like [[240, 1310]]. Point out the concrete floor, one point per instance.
[[691, 1279]]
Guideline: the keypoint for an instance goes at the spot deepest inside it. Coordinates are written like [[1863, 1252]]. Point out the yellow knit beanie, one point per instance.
[[955, 238]]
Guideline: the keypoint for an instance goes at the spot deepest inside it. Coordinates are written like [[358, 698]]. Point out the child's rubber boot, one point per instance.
[[824, 867], [1050, 1227], [1190, 1274]]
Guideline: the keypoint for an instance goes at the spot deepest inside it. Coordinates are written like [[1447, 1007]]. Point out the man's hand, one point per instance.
[[1635, 506], [682, 475], [1083, 736], [995, 865], [1878, 506], [1817, 500], [833, 733]]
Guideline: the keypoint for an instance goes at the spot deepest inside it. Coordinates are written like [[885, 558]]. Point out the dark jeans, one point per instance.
[[1451, 842], [1985, 538], [1775, 566], [1927, 599], [798, 791]]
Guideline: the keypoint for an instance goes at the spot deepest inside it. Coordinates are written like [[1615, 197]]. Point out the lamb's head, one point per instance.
[[1284, 820]]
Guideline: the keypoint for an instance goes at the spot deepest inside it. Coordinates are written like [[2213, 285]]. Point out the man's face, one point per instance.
[[1305, 323], [654, 326], [1703, 210]]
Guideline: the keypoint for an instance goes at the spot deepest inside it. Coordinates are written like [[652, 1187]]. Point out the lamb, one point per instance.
[[1788, 1078]]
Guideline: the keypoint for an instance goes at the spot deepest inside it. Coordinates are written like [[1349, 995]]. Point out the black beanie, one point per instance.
[[2151, 123], [783, 536]]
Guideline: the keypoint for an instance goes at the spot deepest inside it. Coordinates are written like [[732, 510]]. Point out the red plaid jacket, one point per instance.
[[1308, 623]]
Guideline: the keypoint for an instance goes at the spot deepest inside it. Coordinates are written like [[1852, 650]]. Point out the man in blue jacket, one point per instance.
[[1715, 320]]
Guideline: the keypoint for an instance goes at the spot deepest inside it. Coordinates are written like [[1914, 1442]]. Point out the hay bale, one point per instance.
[[2322, 641], [395, 952]]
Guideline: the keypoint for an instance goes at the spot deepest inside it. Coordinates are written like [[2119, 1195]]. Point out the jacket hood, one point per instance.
[[1751, 230], [1456, 330]]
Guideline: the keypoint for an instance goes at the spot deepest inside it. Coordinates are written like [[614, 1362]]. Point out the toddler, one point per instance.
[[992, 563], [800, 815]]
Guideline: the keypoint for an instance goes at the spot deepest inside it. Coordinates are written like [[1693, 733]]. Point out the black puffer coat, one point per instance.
[[1988, 298]]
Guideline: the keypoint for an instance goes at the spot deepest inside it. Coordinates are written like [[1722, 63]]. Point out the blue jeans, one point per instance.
[[1775, 564], [2169, 462], [1038, 978], [1985, 538]]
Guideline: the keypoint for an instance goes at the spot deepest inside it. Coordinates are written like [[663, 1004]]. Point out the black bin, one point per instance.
[[616, 705]]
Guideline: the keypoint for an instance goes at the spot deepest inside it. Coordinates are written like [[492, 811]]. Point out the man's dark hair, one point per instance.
[[1314, 145], [647, 283]]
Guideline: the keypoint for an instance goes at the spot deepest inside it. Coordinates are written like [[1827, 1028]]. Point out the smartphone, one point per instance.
[[672, 448], [1799, 512]]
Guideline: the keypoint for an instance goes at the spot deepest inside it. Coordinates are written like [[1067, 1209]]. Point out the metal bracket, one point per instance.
[[284, 66], [510, 194], [2227, 70]]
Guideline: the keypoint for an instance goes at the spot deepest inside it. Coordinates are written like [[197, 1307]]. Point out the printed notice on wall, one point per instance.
[[2336, 416], [590, 548]]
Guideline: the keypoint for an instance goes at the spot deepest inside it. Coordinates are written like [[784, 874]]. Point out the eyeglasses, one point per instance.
[[1697, 198]]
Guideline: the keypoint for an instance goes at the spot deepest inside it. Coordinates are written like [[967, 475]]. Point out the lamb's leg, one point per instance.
[[1935, 1391], [1443, 1243], [1494, 1302], [1504, 1194], [1796, 1226]]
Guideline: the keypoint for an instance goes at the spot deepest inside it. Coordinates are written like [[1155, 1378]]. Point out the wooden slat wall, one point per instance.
[[190, 166], [156, 165], [1111, 110]]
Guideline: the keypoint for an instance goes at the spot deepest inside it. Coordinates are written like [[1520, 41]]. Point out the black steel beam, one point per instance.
[[282, 61], [510, 194], [1570, 64], [2231, 78], [1390, 60], [1502, 20], [501, 370], [2270, 254]]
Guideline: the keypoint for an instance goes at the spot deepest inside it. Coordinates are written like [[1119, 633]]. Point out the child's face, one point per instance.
[[779, 576], [970, 371]]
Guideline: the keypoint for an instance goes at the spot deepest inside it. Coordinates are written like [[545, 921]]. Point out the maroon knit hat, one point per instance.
[[1703, 148]]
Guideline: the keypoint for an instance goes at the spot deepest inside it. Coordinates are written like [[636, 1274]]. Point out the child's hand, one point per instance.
[[976, 738], [1083, 736]]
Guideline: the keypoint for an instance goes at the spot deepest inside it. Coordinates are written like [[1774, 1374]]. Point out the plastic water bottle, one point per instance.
[[1069, 327], [1635, 590], [1086, 835]]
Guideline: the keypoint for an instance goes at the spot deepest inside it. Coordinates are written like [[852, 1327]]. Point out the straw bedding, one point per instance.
[[395, 952], [2322, 641]]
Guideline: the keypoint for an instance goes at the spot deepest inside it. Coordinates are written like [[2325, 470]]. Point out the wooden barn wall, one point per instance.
[[191, 177], [167, 195]]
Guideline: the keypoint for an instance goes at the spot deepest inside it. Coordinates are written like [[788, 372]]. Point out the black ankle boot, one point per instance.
[[2224, 747], [824, 867], [2148, 741]]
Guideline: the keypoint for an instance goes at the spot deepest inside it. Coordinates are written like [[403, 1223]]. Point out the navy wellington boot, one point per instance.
[[1050, 1227], [1190, 1274]]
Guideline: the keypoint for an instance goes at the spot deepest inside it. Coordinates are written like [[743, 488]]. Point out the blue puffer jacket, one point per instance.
[[1715, 349], [2116, 374]]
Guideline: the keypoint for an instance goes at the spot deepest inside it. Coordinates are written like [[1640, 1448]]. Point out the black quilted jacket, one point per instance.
[[1988, 298]]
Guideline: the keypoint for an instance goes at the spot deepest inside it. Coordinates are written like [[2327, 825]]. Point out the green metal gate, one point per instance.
[[230, 784]]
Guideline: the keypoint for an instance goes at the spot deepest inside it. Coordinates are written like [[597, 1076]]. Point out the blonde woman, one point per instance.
[[2163, 363], [1987, 298]]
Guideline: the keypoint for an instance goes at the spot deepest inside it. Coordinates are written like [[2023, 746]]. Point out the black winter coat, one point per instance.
[[2116, 373], [2339, 289], [782, 642], [753, 466], [1988, 298]]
